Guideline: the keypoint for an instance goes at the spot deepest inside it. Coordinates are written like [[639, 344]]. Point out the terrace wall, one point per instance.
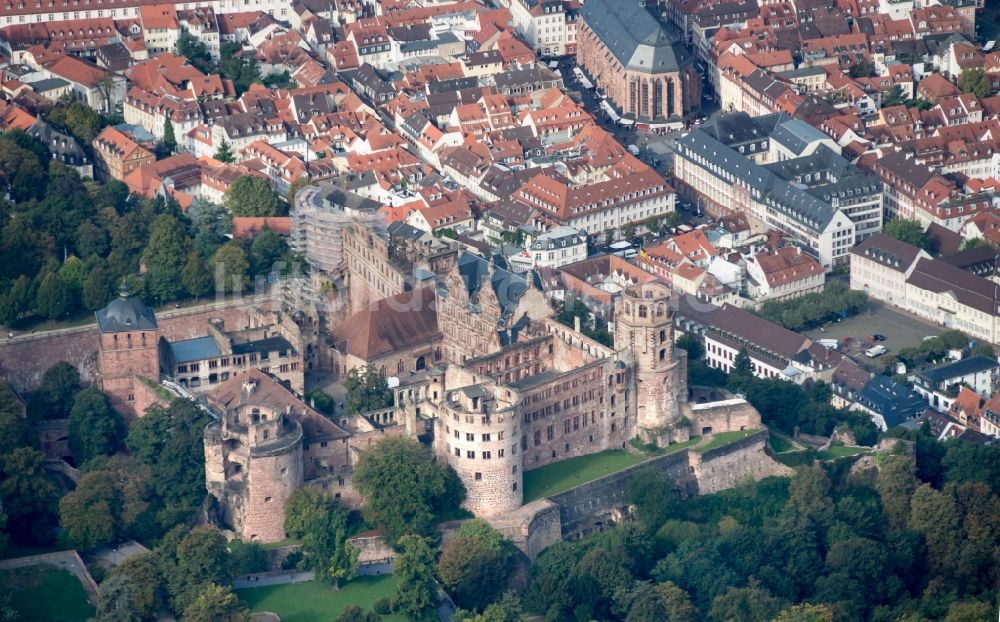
[[601, 503]]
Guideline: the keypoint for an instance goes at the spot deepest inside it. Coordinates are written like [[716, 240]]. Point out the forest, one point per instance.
[[70, 244], [916, 539]]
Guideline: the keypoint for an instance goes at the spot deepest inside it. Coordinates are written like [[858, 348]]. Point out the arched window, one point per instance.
[[421, 363]]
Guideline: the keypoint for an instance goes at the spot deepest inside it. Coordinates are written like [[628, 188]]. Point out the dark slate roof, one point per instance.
[[637, 39], [507, 286], [796, 135], [806, 209], [957, 369], [968, 289], [197, 349], [895, 402], [888, 251], [125, 315], [268, 344]]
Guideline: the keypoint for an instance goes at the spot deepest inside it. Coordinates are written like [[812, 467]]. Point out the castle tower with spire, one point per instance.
[[128, 348]]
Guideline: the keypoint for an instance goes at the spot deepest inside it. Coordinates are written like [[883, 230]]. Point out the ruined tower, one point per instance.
[[644, 331], [253, 463]]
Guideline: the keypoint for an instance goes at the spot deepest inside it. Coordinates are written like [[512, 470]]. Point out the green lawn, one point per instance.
[[780, 445], [45, 594], [840, 451], [316, 601], [559, 476], [724, 438], [669, 449]]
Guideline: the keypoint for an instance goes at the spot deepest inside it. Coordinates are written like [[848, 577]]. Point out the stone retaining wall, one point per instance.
[[601, 503]]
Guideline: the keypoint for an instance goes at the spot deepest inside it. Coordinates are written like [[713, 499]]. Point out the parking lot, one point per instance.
[[900, 330]]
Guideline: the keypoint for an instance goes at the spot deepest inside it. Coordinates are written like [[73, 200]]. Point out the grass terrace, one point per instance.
[[559, 476], [45, 594], [316, 601], [724, 438], [840, 451], [780, 445]]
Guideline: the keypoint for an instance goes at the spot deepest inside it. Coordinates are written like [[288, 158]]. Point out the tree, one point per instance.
[[894, 97], [142, 577], [17, 301], [692, 345], [366, 390], [170, 441], [114, 601], [216, 603], [416, 590], [231, 267], [742, 375], [95, 428], [974, 80], [896, 483], [806, 613], [88, 514], [241, 68], [402, 485], [54, 298], [195, 277], [507, 609], [475, 566], [321, 401], [266, 250], [246, 558], [653, 495], [970, 612], [165, 256], [198, 560], [169, 140], [745, 605], [295, 186], [14, 431], [225, 153], [251, 196], [909, 231], [354, 613], [300, 508], [29, 496], [321, 521], [676, 602], [862, 69], [809, 493], [97, 289], [57, 391], [934, 516], [196, 52]]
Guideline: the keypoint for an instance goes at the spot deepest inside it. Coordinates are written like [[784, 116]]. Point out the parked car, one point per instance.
[[878, 337], [875, 351]]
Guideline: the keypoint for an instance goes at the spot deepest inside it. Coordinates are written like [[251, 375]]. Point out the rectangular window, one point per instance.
[[471, 455]]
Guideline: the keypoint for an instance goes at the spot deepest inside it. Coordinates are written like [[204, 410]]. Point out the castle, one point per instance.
[[549, 393]]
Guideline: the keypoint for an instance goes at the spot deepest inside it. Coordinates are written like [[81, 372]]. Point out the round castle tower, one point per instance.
[[253, 464], [477, 428], [644, 328]]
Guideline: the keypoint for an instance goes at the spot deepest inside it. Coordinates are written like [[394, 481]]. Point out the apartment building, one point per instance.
[[548, 26], [723, 181], [880, 266]]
